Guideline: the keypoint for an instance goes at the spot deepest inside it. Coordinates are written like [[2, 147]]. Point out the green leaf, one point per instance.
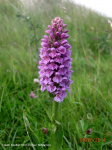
[[2, 146], [34, 139], [91, 126], [32, 136], [84, 124], [69, 144], [57, 137]]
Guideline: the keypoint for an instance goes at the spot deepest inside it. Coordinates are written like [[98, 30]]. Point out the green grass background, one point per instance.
[[89, 105]]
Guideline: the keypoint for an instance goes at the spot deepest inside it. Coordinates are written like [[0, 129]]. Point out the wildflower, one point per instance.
[[110, 22], [92, 28], [55, 63], [36, 80], [88, 131], [32, 95], [44, 130]]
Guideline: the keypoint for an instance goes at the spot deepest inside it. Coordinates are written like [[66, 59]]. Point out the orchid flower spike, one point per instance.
[[55, 63]]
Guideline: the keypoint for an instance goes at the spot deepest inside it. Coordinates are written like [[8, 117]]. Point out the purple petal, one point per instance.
[[52, 66], [43, 50], [56, 44], [54, 24], [70, 82], [45, 36], [57, 73], [68, 53], [42, 73], [52, 60], [67, 63], [61, 66], [62, 49], [60, 29], [63, 94], [51, 88], [64, 25], [65, 31], [57, 34], [48, 31], [43, 44], [65, 58], [63, 82], [67, 46], [68, 88], [57, 79], [44, 40], [58, 59], [64, 35], [46, 59], [53, 29], [53, 53], [68, 73], [46, 80], [64, 41], [43, 88], [52, 35], [62, 71], [48, 73], [49, 27], [58, 99]]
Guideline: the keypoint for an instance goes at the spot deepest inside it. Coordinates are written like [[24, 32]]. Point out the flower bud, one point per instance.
[[88, 131], [48, 31], [44, 130], [64, 25]]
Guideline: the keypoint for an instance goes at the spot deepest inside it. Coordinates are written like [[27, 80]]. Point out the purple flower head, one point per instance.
[[55, 63]]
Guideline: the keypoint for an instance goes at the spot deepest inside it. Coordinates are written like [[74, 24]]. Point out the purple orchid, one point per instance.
[[55, 63]]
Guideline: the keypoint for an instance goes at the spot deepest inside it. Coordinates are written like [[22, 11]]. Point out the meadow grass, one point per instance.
[[89, 105]]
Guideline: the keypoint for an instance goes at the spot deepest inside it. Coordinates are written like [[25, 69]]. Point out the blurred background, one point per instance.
[[89, 105]]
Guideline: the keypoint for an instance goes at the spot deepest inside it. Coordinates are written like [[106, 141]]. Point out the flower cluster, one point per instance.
[[55, 63]]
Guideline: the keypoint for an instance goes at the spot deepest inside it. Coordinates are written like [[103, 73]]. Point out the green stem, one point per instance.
[[55, 117], [55, 110], [84, 142], [56, 139]]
